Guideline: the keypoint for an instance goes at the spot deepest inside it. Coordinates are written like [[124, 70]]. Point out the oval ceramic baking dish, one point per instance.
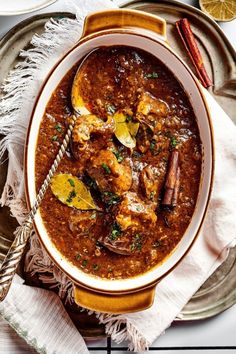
[[147, 32]]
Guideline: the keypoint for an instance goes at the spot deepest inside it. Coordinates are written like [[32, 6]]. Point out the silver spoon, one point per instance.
[[22, 233]]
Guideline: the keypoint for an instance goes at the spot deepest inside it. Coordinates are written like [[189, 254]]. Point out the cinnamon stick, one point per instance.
[[171, 178], [186, 34], [176, 189]]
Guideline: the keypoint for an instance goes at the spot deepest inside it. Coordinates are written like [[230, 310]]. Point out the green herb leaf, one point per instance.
[[153, 145], [136, 244], [84, 263], [54, 138], [173, 142], [129, 118], [58, 127], [152, 75], [72, 183], [96, 267], [115, 232], [71, 195], [90, 182], [77, 257], [118, 155], [110, 198], [153, 148], [106, 168], [132, 247]]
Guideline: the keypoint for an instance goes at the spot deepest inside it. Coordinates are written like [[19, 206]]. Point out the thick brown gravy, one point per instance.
[[127, 184]]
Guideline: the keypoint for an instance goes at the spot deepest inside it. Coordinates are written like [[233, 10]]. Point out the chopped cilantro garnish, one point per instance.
[[153, 145], [58, 127], [137, 237], [106, 168], [54, 138], [71, 195], [90, 182], [72, 182], [128, 118], [173, 142], [111, 109], [115, 232], [110, 198], [153, 148], [96, 267], [84, 263], [132, 247], [78, 256], [136, 244], [118, 155], [152, 75]]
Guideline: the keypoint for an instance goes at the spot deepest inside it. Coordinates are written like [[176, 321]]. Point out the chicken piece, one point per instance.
[[91, 124], [149, 182], [80, 222], [133, 212], [110, 175], [149, 109]]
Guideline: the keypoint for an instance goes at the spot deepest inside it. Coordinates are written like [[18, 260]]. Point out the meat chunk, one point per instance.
[[110, 175], [133, 212], [150, 104], [149, 182], [80, 222], [149, 108], [122, 242], [143, 138], [120, 245], [91, 124]]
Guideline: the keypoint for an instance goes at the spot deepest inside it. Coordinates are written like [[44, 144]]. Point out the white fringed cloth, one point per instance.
[[36, 314]]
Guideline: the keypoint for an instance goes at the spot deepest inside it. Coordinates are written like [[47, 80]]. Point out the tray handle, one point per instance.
[[124, 18], [116, 304]]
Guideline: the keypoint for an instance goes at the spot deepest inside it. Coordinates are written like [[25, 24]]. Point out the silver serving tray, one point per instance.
[[219, 292]]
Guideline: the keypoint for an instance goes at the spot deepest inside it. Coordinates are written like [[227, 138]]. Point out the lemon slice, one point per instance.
[[220, 10]]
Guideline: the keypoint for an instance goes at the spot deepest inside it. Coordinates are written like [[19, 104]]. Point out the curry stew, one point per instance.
[[126, 189]]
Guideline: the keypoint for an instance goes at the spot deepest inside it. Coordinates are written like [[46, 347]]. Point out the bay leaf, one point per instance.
[[133, 128], [70, 190], [125, 132]]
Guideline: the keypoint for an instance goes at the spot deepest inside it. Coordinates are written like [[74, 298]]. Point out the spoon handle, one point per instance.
[[22, 233], [13, 257]]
